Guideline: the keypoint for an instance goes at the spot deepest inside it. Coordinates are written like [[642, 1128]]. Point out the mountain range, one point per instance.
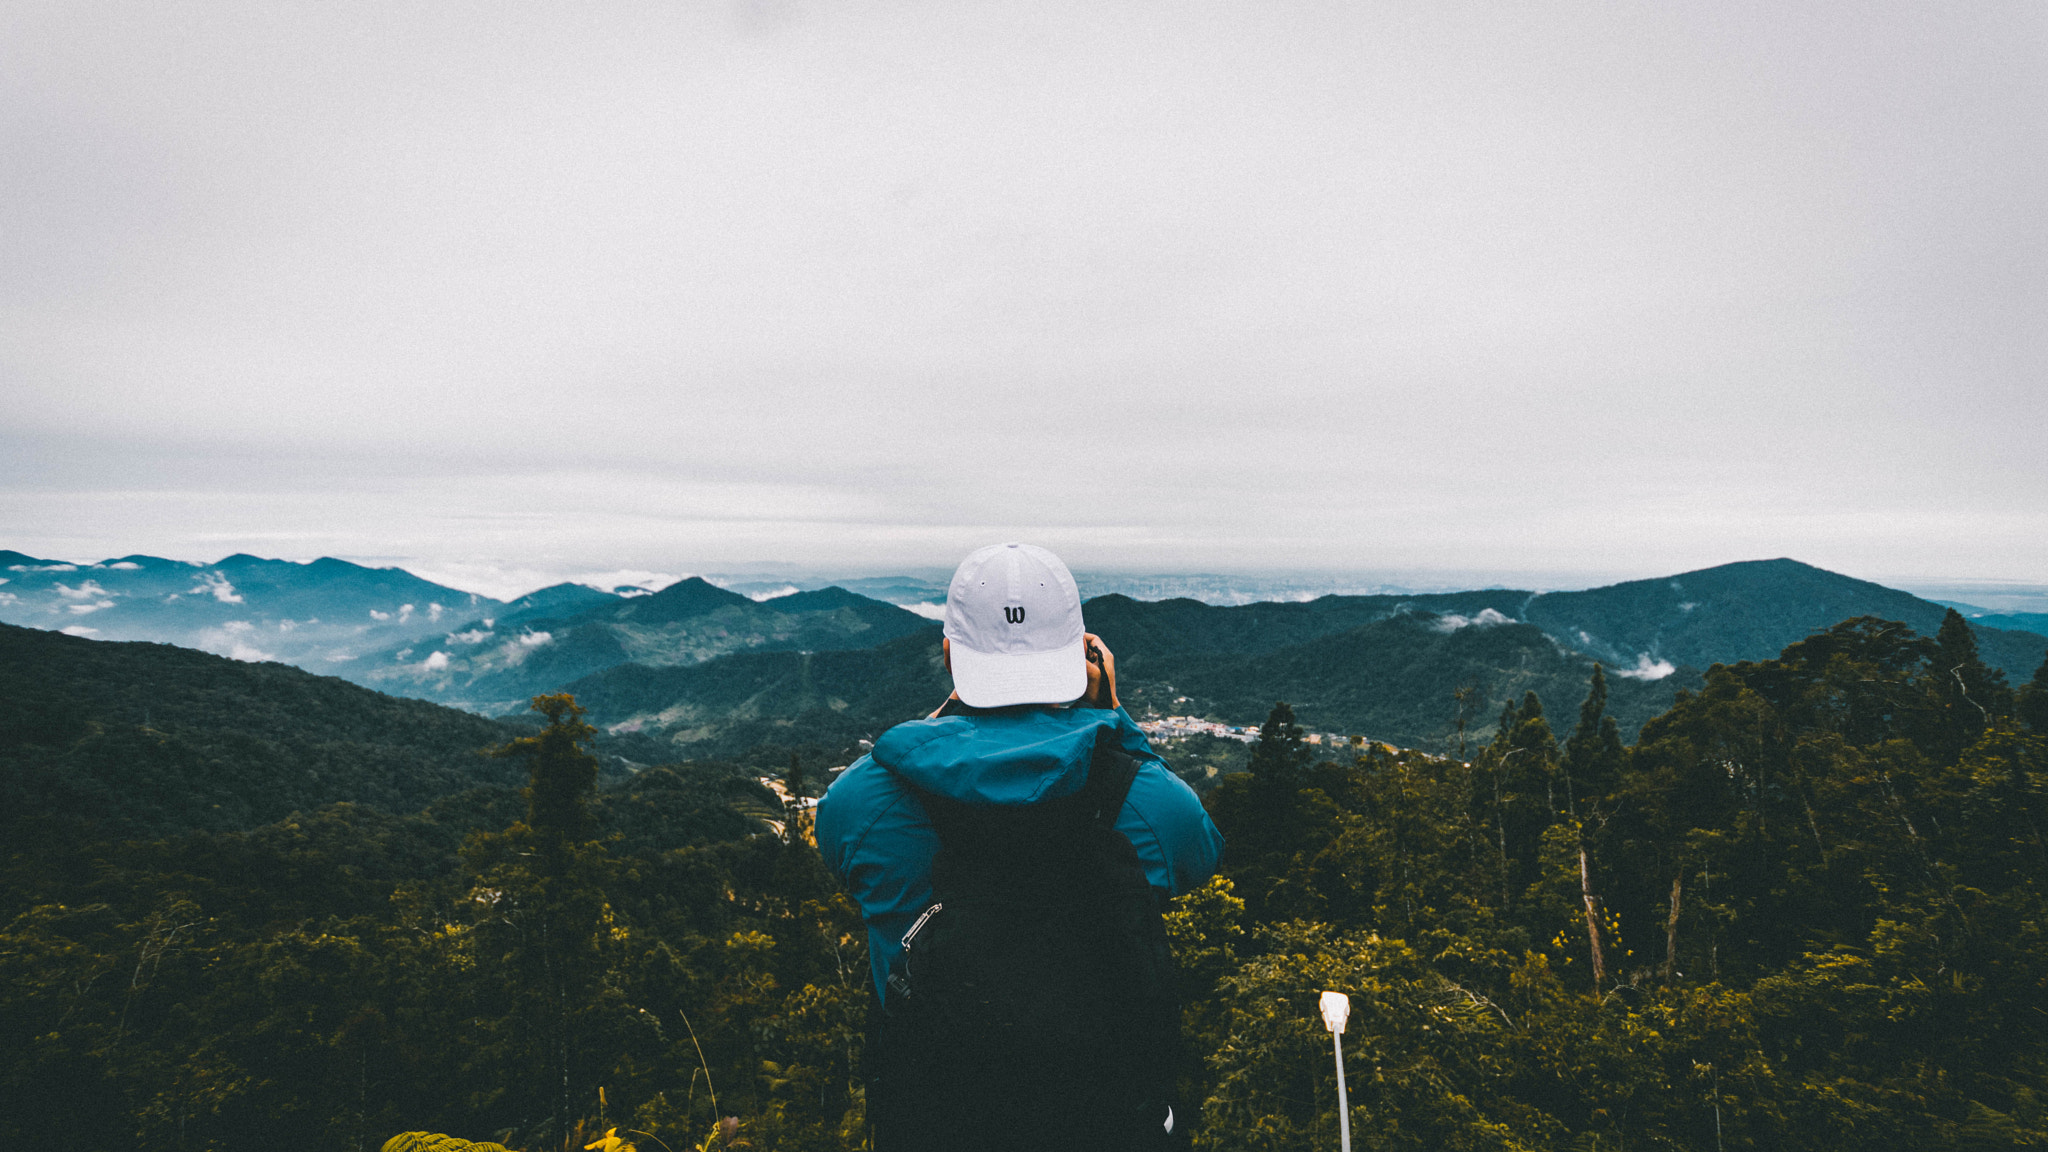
[[494, 664], [1390, 667], [321, 615], [696, 669]]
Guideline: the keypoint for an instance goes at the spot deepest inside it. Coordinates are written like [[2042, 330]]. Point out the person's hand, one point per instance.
[[1101, 671]]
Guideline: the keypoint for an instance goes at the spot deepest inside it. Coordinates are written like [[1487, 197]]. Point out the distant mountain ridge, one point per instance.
[[1748, 610], [493, 666], [320, 615]]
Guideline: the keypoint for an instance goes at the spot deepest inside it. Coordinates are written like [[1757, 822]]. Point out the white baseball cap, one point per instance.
[[1013, 615]]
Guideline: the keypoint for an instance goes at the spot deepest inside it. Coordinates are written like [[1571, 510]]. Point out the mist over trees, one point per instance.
[[1804, 910]]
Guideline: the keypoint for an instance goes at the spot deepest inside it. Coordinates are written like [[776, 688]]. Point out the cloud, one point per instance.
[[79, 630], [775, 593], [1486, 618], [82, 609], [248, 654], [928, 611], [535, 639], [9, 598], [217, 584], [1647, 669], [438, 662], [376, 615], [618, 580], [85, 591], [473, 636], [125, 566]]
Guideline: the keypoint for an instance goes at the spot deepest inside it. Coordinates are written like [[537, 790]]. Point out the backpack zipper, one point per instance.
[[928, 914]]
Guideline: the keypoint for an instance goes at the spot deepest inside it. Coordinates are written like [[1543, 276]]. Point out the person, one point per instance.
[[1011, 854]]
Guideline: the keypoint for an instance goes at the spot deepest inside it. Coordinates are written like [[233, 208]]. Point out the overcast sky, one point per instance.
[[1193, 286]]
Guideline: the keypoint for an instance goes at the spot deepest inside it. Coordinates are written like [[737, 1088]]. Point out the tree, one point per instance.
[[1592, 763], [560, 774], [2032, 705], [1969, 694], [1281, 756], [545, 927], [1593, 755]]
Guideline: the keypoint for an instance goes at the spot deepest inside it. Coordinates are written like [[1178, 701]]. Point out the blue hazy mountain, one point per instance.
[[1745, 611], [494, 665], [320, 615], [2036, 622]]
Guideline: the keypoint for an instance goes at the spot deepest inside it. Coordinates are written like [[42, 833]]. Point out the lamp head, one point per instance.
[[1336, 1008]]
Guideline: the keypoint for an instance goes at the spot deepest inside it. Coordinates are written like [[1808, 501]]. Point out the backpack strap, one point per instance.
[[1111, 771]]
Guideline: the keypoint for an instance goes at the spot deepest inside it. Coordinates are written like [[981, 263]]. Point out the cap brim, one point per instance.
[[998, 680]]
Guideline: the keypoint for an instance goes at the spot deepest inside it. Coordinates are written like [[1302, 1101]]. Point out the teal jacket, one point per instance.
[[876, 837]]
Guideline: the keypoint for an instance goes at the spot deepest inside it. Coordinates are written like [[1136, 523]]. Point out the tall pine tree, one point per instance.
[[1968, 693]]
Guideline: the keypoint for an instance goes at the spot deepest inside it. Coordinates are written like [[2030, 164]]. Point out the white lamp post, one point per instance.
[[1336, 1008]]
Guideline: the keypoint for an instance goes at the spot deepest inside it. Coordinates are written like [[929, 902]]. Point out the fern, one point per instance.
[[436, 1142]]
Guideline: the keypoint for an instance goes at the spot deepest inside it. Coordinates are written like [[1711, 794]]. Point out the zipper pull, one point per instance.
[[928, 913]]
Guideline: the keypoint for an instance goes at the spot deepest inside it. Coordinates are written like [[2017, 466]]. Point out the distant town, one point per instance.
[[1177, 727]]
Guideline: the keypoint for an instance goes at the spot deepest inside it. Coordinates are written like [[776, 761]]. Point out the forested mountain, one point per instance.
[[130, 739], [760, 706], [319, 615], [1410, 679], [1743, 611], [493, 666]]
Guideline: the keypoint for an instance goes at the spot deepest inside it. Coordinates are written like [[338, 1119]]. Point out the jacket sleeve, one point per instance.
[[876, 838], [1163, 819]]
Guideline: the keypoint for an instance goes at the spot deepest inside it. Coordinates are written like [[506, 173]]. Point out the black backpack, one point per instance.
[[1033, 1004]]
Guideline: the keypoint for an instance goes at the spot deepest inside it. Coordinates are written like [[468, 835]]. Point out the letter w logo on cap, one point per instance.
[[1014, 614]]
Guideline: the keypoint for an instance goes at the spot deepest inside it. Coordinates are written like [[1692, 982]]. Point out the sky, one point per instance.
[[1586, 290]]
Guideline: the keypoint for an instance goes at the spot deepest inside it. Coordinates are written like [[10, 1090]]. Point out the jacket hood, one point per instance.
[[992, 759]]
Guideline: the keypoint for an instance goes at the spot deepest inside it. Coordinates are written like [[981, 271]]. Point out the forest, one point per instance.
[[1804, 909]]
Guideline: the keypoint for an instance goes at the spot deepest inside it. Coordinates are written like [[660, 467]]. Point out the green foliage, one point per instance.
[[1819, 899], [435, 1142]]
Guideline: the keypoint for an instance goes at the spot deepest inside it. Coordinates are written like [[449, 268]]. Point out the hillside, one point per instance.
[[1745, 611], [1395, 680], [493, 666], [763, 702], [1148, 630], [139, 739]]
